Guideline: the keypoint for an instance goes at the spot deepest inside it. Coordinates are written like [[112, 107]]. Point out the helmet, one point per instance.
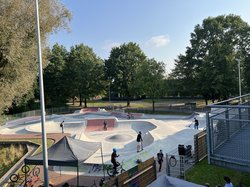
[[114, 149]]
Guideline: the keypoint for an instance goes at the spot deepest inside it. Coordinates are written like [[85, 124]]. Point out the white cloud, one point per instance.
[[110, 44], [158, 41]]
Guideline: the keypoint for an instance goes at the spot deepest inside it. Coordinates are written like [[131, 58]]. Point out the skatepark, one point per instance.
[[164, 132]]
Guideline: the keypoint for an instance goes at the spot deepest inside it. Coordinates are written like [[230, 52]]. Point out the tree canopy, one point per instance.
[[18, 54], [121, 67], [209, 67], [83, 73], [54, 86], [150, 79]]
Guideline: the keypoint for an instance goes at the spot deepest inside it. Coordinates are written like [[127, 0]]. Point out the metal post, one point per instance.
[[103, 167], [167, 166], [77, 174], [226, 121], [239, 80], [209, 137], [42, 106]]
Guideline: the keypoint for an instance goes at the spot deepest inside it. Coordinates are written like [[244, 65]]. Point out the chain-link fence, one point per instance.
[[49, 111], [228, 127], [177, 165]]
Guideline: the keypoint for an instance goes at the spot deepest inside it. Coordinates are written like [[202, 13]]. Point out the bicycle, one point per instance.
[[31, 179], [16, 177], [111, 171]]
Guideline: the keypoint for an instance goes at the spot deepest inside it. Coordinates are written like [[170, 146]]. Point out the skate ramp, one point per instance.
[[119, 138], [54, 127], [148, 139], [143, 126], [97, 124]]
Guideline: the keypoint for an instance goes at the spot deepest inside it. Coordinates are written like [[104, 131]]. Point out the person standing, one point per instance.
[[228, 182], [114, 161], [196, 123], [61, 125], [139, 142], [160, 159], [105, 125]]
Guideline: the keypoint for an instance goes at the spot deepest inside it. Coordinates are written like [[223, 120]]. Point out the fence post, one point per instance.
[[196, 152], [182, 170], [209, 136], [240, 117], [167, 166], [227, 123]]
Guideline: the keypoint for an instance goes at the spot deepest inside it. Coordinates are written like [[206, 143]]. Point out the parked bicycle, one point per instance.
[[111, 171], [20, 176], [31, 178]]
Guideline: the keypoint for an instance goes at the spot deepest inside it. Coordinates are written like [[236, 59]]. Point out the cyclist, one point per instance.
[[113, 160]]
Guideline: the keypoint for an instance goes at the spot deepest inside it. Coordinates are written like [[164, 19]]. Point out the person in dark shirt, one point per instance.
[[114, 161], [61, 125], [160, 159], [105, 125], [196, 123], [139, 142]]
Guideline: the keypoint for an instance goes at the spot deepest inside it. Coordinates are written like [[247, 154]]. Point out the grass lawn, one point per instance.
[[146, 103], [203, 173]]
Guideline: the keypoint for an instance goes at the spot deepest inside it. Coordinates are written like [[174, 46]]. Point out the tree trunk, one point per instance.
[[80, 100], [153, 103], [206, 101], [85, 102], [73, 101], [128, 102]]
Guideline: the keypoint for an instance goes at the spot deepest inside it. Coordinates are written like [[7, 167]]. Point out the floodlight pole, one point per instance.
[[42, 107]]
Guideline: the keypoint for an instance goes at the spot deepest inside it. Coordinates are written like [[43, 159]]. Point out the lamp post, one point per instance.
[[42, 106], [238, 60]]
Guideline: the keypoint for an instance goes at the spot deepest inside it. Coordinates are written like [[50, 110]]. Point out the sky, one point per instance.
[[162, 28]]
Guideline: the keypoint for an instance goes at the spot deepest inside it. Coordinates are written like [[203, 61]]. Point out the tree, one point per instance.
[[210, 63], [83, 73], [54, 87], [183, 76], [121, 67], [150, 79], [18, 54]]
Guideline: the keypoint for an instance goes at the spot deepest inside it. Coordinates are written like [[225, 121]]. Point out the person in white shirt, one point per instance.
[[228, 182]]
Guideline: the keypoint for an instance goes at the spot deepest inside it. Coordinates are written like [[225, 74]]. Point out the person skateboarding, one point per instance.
[[139, 142], [61, 125], [196, 123]]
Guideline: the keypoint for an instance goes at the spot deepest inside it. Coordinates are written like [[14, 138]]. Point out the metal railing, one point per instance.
[[228, 128]]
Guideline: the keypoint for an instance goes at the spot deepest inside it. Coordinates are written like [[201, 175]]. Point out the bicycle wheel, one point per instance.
[[36, 171], [172, 161], [25, 169], [110, 171], [14, 177]]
